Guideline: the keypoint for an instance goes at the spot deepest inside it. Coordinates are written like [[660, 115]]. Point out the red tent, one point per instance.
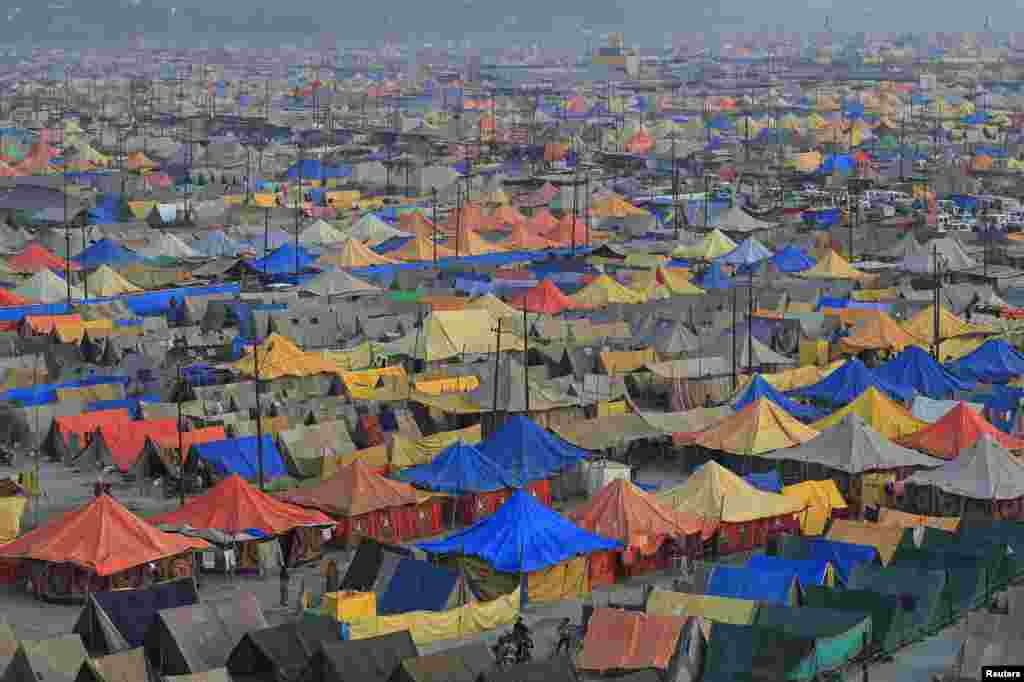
[[367, 504], [8, 297], [34, 258], [126, 443], [545, 298], [417, 224], [522, 239], [563, 232], [471, 217], [98, 547], [640, 143], [957, 431], [88, 422], [234, 506]]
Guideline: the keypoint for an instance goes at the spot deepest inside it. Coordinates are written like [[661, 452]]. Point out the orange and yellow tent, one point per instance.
[[760, 427]]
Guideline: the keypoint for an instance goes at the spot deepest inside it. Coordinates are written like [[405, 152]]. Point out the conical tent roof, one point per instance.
[[677, 281], [957, 431], [878, 410], [563, 232], [907, 247], [758, 388], [507, 215], [419, 250], [338, 283], [353, 491], [105, 282], [852, 446], [416, 224], [603, 291], [469, 243], [542, 220], [106, 252], [993, 362], [523, 239], [522, 536], [986, 471], [233, 506], [922, 325], [878, 331], [217, 244], [46, 287], [792, 259], [545, 298], [352, 253], [917, 368], [373, 230], [528, 451], [101, 536], [849, 380], [749, 252], [833, 266], [498, 308], [167, 245], [623, 512], [34, 257], [614, 206], [279, 357], [760, 427], [717, 494], [762, 355], [320, 233], [714, 245], [735, 219], [460, 469]]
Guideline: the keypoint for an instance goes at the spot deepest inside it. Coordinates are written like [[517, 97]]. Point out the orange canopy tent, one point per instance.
[[422, 249], [957, 431], [544, 298], [470, 243], [507, 215], [542, 221], [567, 226], [470, 217], [35, 257], [878, 331], [416, 224], [354, 254], [82, 424], [640, 143], [126, 443], [522, 239]]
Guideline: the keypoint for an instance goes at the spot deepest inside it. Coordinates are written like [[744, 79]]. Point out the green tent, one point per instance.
[[839, 636], [1006, 533], [968, 581], [748, 653], [890, 626], [922, 594]]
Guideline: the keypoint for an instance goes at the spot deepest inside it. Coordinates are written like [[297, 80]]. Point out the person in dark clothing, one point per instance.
[[285, 578], [566, 637]]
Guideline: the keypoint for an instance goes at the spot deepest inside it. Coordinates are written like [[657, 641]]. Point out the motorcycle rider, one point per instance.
[[522, 639]]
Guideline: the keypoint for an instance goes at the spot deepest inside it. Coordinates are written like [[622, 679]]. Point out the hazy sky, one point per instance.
[[263, 22]]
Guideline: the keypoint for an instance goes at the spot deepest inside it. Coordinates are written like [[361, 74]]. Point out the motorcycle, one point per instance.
[[511, 649]]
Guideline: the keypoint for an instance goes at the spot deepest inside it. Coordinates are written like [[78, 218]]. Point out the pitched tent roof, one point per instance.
[[46, 287], [883, 414], [106, 252], [603, 291], [419, 585], [125, 666], [419, 249], [521, 238], [878, 331], [281, 652], [280, 357], [232, 506], [417, 224], [623, 512], [749, 252], [242, 456], [320, 233], [460, 468], [460, 664], [200, 637], [217, 244], [792, 259], [758, 388], [528, 451], [282, 260], [53, 660], [117, 620], [993, 362], [957, 431], [715, 493], [760, 427], [374, 659], [371, 229], [622, 640], [469, 243], [563, 233], [833, 266], [495, 306], [354, 490], [886, 539], [852, 446], [770, 585], [746, 342], [922, 325], [106, 282], [167, 245], [849, 380], [545, 298], [917, 368], [371, 559], [713, 245], [986, 471], [101, 536], [338, 283], [352, 253], [522, 536], [34, 257]]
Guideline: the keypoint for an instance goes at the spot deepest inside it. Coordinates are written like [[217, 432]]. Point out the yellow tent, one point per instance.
[[677, 280], [821, 497], [11, 510], [713, 245], [357, 357], [833, 266], [406, 452], [715, 493], [141, 209], [792, 379], [420, 249], [880, 412], [352, 253], [105, 282], [605, 291], [758, 428], [278, 356], [451, 333], [893, 517], [922, 326], [137, 161], [707, 608], [878, 332]]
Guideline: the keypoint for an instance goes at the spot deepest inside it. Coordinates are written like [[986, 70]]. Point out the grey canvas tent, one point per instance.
[[125, 666], [987, 472], [47, 660], [461, 664], [118, 620], [281, 653], [197, 638], [364, 660], [304, 447], [373, 565]]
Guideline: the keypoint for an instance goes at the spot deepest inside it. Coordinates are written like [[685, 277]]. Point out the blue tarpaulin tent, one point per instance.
[[771, 586], [825, 217], [527, 452], [42, 394], [844, 384], [106, 252], [748, 252], [282, 261], [242, 456], [843, 556], [993, 362], [117, 619], [807, 571], [523, 536], [107, 210], [714, 278], [759, 388], [792, 259], [917, 368], [460, 468], [770, 481], [418, 586]]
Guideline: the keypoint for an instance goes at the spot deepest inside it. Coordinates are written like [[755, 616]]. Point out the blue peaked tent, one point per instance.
[[771, 586], [526, 452], [420, 586], [792, 259], [523, 536], [241, 456], [759, 388], [106, 252], [807, 571], [748, 252], [282, 261], [993, 362], [769, 481], [847, 382], [714, 278], [844, 556], [916, 367], [460, 468]]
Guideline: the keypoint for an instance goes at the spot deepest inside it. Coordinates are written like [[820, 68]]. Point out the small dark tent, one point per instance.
[[124, 666], [461, 664], [371, 560], [49, 660], [422, 586], [363, 660], [197, 638], [118, 620], [280, 653]]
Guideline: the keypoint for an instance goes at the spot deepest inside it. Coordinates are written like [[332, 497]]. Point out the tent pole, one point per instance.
[[259, 414]]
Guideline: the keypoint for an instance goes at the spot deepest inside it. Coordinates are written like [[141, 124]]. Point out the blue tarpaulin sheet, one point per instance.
[[748, 252], [792, 259], [132, 612], [460, 468], [917, 368], [241, 456], [759, 388], [282, 261], [529, 452], [993, 362], [822, 218], [106, 252], [807, 571], [714, 278], [41, 394], [773, 587], [844, 556], [770, 482], [417, 586], [16, 313], [134, 407], [523, 536], [844, 384], [159, 302]]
